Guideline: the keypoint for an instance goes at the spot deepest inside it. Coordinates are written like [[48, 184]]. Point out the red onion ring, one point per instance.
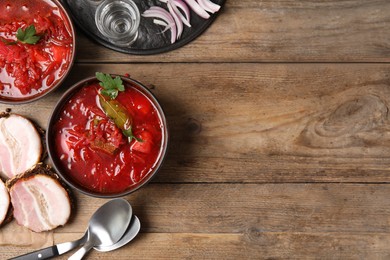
[[209, 6], [174, 19], [175, 5], [162, 23], [197, 9], [158, 12], [178, 21], [180, 4]]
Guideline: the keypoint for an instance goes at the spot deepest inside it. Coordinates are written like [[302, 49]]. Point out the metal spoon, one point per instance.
[[130, 234], [114, 218], [102, 216]]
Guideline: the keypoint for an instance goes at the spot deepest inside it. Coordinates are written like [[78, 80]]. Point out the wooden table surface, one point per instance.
[[280, 137]]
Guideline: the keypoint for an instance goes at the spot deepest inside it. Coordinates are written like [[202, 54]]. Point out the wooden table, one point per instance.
[[280, 137]]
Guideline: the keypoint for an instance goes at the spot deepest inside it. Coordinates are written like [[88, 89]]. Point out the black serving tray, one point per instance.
[[150, 39]]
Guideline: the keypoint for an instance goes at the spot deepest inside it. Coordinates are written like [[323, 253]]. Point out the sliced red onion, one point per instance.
[[179, 4], [197, 9], [158, 12], [174, 6], [178, 21], [162, 23], [209, 6]]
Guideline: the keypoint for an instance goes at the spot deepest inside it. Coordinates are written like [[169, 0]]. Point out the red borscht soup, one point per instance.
[[36, 47], [89, 144]]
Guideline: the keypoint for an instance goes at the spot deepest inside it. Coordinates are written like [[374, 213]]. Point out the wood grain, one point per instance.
[[249, 220], [267, 245], [252, 208], [282, 31], [280, 135], [260, 123]]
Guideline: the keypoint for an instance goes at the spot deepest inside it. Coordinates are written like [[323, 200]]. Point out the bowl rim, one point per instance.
[[57, 109], [8, 101]]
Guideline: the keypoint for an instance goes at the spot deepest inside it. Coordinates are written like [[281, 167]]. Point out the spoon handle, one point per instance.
[[82, 251], [39, 254], [52, 251]]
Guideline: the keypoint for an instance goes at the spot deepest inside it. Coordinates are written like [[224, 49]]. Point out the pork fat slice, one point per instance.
[[4, 202], [20, 145], [40, 203]]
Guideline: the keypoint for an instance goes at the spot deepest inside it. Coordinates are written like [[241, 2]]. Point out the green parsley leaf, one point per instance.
[[111, 86], [28, 35]]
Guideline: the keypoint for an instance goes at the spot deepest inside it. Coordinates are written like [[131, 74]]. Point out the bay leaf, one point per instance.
[[117, 113]]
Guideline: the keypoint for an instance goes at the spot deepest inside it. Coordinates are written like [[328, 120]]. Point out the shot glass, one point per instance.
[[118, 21]]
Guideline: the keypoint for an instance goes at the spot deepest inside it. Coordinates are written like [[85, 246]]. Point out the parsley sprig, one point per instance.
[[113, 108], [28, 35], [111, 86]]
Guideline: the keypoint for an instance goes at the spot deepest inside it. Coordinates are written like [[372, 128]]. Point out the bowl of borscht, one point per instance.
[[107, 136], [37, 48]]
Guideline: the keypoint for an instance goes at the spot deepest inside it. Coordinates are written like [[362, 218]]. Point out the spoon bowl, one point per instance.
[[106, 226], [129, 235]]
